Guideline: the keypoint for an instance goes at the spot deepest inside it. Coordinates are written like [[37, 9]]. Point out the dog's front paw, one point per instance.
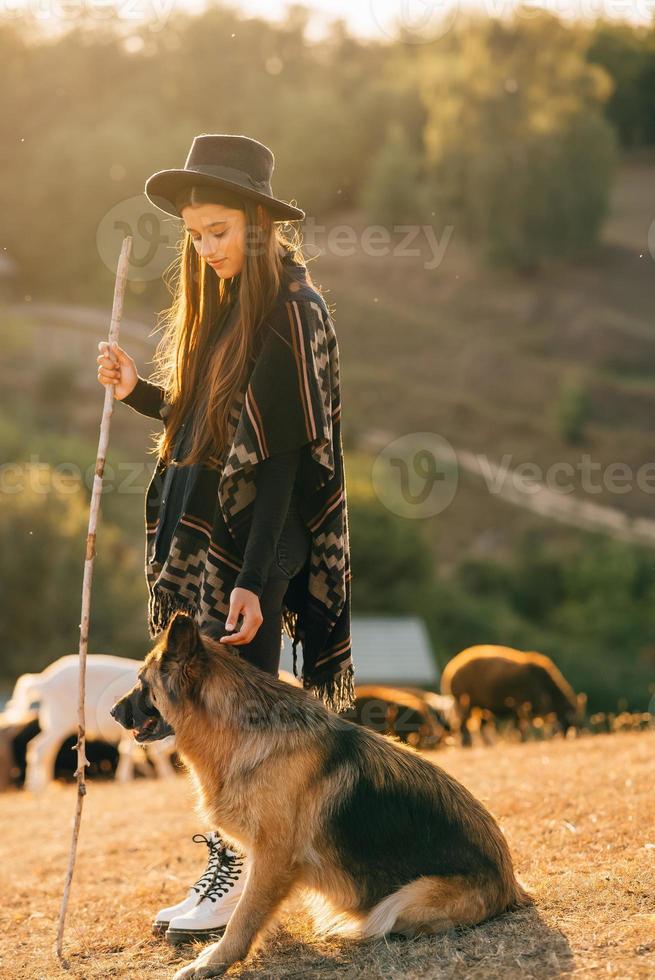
[[186, 973], [201, 971]]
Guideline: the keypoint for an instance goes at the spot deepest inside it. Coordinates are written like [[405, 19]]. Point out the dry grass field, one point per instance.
[[579, 815]]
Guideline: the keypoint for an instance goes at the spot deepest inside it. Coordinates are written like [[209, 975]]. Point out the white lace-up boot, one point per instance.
[[215, 845], [209, 916]]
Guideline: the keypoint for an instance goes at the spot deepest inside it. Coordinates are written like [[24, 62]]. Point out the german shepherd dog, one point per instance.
[[384, 838]]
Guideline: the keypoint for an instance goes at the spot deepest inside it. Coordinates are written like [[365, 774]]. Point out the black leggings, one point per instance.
[[265, 648]]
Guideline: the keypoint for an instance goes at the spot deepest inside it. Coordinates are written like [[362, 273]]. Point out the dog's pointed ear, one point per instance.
[[184, 657], [183, 635]]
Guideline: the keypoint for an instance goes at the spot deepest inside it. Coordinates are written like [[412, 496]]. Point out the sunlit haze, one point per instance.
[[424, 20]]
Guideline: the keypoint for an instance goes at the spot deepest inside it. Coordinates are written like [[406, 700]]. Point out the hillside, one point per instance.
[[482, 358], [476, 355]]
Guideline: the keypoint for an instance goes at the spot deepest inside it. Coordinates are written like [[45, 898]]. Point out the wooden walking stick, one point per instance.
[[107, 412]]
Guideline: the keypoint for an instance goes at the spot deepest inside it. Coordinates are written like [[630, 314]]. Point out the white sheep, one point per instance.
[[51, 697]]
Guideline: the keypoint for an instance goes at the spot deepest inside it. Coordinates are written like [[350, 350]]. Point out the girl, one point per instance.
[[246, 514]]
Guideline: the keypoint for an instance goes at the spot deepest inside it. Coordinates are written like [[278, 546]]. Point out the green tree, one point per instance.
[[395, 193], [392, 564], [520, 154], [590, 607], [627, 53], [572, 411], [43, 528]]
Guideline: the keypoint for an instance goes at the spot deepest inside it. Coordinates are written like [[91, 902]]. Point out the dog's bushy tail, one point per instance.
[[430, 905], [521, 898], [328, 920]]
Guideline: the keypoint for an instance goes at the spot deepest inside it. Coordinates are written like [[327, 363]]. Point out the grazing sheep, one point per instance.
[[13, 735], [51, 698], [503, 682], [397, 711]]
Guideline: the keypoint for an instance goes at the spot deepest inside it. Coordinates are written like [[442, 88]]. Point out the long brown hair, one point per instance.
[[193, 375]]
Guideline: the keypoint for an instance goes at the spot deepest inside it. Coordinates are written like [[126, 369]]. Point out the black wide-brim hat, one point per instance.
[[238, 163]]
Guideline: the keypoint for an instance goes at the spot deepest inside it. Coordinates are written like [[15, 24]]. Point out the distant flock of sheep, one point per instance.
[[482, 687]]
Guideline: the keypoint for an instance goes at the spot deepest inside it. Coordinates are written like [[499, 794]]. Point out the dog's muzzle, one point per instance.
[[144, 721]]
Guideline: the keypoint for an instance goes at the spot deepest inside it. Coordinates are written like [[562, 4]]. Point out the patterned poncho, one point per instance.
[[290, 399]]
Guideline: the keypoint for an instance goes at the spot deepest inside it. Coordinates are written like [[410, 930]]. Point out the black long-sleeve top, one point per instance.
[[275, 480]]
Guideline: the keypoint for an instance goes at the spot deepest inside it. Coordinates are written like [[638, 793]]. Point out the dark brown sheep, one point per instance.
[[14, 736], [505, 682], [399, 712]]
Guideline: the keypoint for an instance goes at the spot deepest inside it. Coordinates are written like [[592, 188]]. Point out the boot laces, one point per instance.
[[216, 847], [226, 873]]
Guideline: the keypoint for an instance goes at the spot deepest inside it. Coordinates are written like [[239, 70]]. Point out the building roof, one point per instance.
[[386, 650]]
